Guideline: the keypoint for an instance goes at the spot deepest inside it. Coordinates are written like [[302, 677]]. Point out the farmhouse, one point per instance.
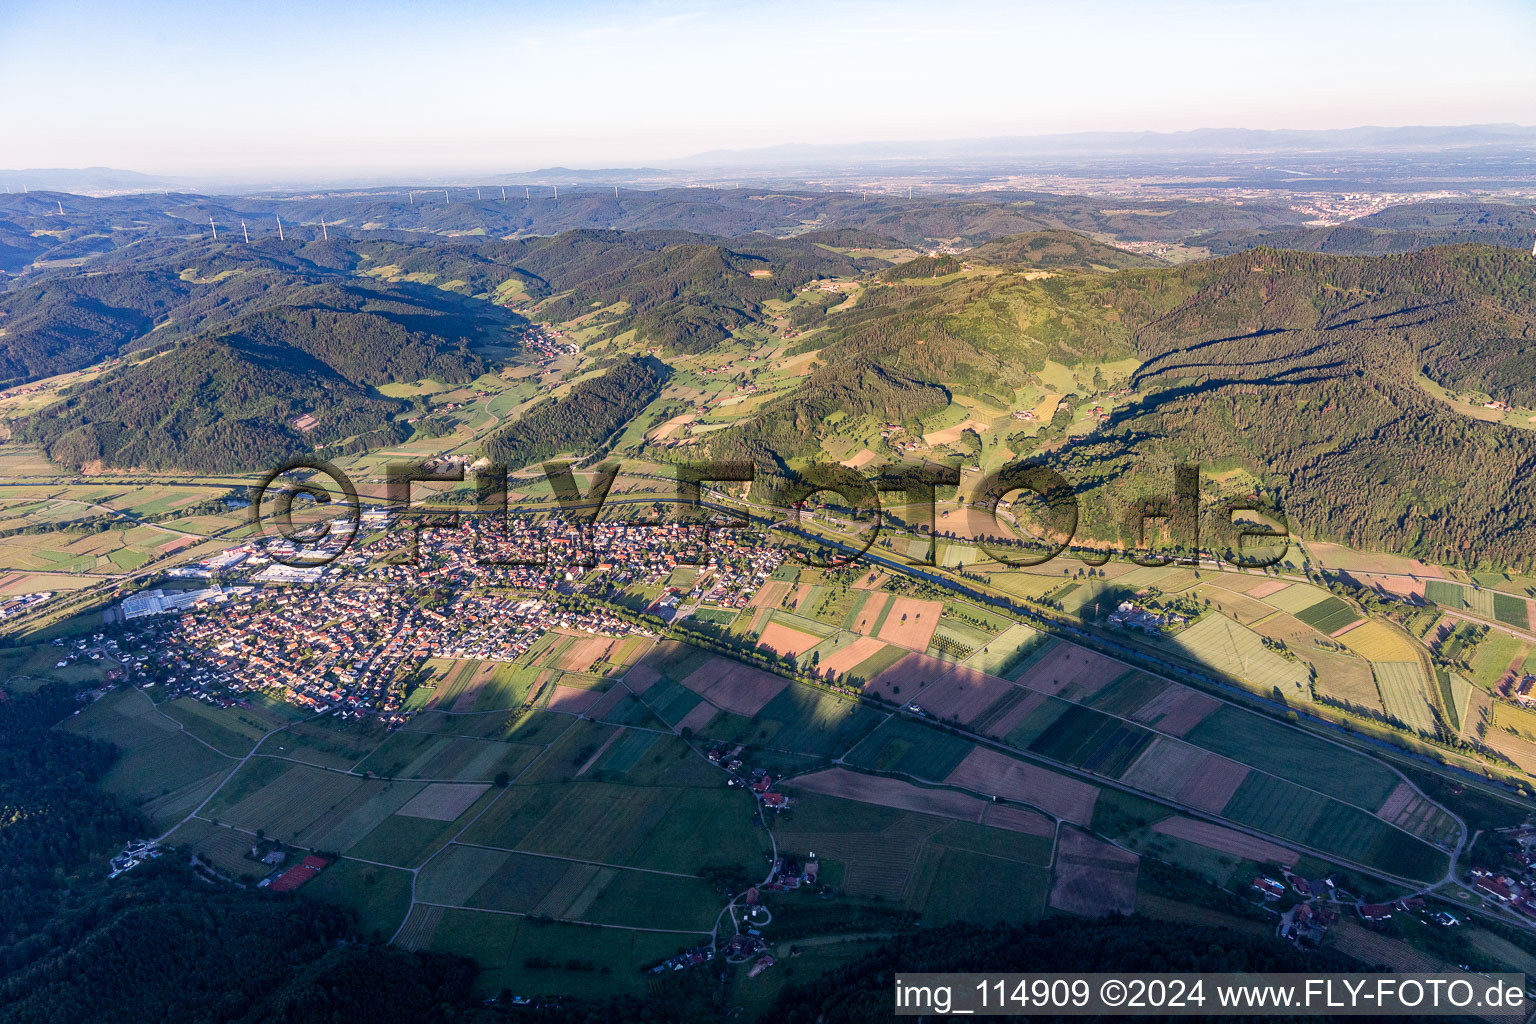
[[1271, 889], [1374, 913]]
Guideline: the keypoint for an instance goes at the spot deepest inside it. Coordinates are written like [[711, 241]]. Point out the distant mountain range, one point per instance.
[[85, 180], [1434, 156], [1200, 142]]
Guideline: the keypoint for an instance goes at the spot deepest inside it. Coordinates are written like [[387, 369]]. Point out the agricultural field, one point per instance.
[[1297, 598], [1093, 741], [800, 720], [162, 769], [1128, 694], [1346, 678], [1514, 718], [921, 861], [1291, 754], [1186, 774], [1405, 693], [1311, 819], [1488, 604], [1093, 877], [905, 747], [1328, 616], [233, 730], [1229, 647], [539, 830], [1377, 641], [1011, 651], [1499, 658]]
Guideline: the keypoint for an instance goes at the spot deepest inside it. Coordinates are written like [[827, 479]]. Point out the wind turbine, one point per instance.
[[615, 191], [324, 234], [503, 193], [244, 232], [525, 193], [1533, 243], [215, 229], [280, 237], [557, 191], [61, 206], [478, 196]]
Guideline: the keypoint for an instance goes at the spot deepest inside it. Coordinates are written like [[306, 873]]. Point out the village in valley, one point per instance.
[[569, 662]]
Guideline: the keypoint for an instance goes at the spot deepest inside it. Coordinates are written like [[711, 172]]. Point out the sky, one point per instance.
[[381, 88]]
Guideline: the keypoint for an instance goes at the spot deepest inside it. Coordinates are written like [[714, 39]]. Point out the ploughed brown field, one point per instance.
[[993, 774], [911, 622], [909, 675], [1226, 840], [733, 686], [784, 640], [1092, 877]]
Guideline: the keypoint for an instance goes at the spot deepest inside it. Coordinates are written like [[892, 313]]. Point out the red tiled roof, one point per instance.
[[300, 873]]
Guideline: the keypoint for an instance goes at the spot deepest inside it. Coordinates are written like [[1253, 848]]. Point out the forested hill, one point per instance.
[[1050, 250], [235, 397], [34, 234], [222, 403], [684, 291], [1403, 228], [1303, 369], [688, 298], [98, 225], [579, 422], [156, 294]]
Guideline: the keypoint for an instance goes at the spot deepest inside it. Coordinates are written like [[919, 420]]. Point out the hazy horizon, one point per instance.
[[485, 89]]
